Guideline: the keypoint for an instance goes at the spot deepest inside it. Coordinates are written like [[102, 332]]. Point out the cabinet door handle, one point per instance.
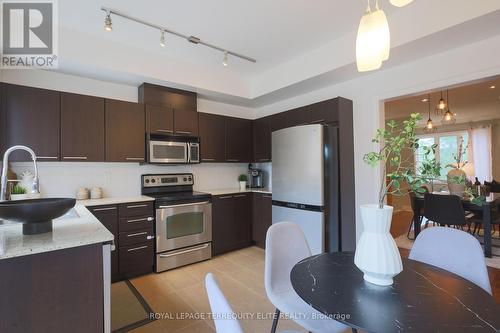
[[136, 206], [150, 237], [164, 131], [75, 157], [183, 132], [137, 248], [47, 157], [104, 209], [226, 197], [240, 195], [232, 160], [137, 234], [134, 158], [148, 219]]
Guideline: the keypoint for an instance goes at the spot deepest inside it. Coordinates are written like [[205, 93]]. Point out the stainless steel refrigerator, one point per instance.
[[305, 183]]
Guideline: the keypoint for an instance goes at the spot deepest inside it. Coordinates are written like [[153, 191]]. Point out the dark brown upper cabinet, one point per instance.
[[238, 140], [2, 120], [279, 121], [325, 111], [32, 118], [298, 116], [82, 128], [212, 138], [159, 119], [168, 97], [185, 122], [125, 131], [262, 140]]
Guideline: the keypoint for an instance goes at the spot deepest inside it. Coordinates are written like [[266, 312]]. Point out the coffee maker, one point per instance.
[[255, 177]]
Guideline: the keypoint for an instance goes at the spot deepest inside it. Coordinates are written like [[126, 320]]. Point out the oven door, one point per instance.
[[168, 152], [183, 225]]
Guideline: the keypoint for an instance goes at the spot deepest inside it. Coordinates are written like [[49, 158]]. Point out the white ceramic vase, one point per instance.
[[243, 186], [377, 255]]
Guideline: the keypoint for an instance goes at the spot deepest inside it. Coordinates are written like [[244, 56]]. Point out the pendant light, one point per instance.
[[400, 3], [108, 24], [448, 117], [442, 104], [429, 126], [373, 39]]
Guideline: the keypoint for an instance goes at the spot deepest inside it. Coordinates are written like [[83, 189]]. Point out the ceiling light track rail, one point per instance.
[[191, 39]]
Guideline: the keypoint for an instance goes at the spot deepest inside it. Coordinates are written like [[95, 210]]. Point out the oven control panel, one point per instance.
[[167, 180]]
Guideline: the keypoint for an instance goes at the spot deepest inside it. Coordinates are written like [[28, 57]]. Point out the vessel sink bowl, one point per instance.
[[36, 215]]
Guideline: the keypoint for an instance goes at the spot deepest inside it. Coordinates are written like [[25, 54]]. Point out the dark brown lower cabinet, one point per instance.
[[262, 217], [231, 222], [59, 291], [132, 224]]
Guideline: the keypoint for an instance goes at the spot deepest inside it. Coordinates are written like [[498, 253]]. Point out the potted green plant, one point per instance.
[[376, 252], [243, 182], [18, 193]]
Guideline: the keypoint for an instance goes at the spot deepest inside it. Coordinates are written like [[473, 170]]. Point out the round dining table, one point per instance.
[[423, 298]]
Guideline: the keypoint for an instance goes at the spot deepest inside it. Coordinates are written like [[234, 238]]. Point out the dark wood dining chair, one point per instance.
[[446, 210], [412, 196]]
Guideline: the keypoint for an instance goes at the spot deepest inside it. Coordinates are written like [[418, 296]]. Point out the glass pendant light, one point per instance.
[[108, 24], [400, 3], [373, 40], [429, 126], [448, 117], [442, 104]]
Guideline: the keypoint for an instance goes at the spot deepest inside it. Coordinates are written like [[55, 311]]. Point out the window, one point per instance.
[[447, 148]]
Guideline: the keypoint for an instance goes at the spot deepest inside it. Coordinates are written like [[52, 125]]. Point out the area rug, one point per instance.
[[129, 310], [404, 243]]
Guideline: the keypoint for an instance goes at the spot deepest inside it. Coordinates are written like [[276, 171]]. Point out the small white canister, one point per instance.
[[96, 193]]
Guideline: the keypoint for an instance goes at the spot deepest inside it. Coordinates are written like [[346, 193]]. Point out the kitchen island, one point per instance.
[[57, 281]]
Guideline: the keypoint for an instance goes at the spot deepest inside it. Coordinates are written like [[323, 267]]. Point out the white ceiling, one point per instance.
[[299, 45], [470, 103]]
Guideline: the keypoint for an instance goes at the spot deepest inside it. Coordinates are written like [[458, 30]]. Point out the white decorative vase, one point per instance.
[[377, 255], [243, 186]]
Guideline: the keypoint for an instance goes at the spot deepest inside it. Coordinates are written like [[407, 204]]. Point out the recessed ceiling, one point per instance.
[[470, 103]]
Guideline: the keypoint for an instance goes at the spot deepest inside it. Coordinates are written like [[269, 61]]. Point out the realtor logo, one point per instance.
[[29, 34]]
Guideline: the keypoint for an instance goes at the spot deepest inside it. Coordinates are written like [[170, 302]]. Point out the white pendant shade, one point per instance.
[[400, 3], [373, 41]]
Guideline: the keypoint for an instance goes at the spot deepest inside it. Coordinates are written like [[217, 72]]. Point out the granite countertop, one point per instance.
[[68, 232], [237, 190], [113, 201]]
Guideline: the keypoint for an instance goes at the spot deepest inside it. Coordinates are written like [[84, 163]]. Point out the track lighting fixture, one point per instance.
[[162, 39], [225, 61], [163, 30], [108, 24]]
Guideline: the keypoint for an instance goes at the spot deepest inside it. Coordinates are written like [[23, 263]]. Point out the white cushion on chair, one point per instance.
[[286, 245], [453, 250]]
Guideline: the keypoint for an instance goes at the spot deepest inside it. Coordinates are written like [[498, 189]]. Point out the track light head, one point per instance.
[[108, 24], [162, 39], [225, 61]]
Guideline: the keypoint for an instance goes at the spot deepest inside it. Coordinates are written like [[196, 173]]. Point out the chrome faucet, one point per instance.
[[35, 189]]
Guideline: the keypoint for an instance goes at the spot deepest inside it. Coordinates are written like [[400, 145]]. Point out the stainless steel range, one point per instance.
[[183, 220]]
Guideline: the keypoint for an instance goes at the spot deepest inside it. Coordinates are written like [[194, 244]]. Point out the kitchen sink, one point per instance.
[[36, 215]]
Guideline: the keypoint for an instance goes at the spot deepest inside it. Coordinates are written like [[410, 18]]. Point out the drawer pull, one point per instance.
[[240, 195], [148, 219], [74, 157], [204, 246], [137, 248], [134, 158], [104, 209], [226, 197], [137, 234], [47, 157], [136, 206], [164, 131], [183, 132], [150, 237]]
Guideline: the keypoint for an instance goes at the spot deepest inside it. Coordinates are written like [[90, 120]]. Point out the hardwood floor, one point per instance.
[[400, 223]]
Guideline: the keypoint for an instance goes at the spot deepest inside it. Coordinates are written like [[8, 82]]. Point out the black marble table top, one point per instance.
[[422, 299]]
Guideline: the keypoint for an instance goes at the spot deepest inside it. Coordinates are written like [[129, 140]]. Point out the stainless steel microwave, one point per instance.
[[172, 149]]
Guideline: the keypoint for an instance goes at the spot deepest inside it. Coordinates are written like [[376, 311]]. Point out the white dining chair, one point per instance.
[[225, 319], [286, 245], [453, 250]]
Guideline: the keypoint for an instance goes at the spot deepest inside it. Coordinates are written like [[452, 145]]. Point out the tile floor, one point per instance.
[[181, 291]]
